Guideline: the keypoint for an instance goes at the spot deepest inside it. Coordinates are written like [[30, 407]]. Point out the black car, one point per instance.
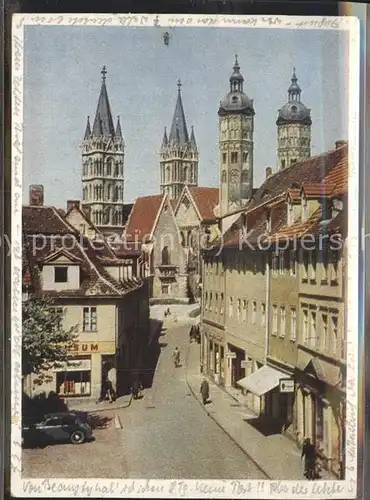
[[57, 427]]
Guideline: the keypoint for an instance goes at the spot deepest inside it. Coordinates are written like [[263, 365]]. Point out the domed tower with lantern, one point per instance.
[[293, 128], [236, 126]]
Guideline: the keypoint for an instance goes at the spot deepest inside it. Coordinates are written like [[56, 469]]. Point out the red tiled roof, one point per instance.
[[142, 217], [294, 194], [315, 190], [296, 230], [206, 199], [310, 170]]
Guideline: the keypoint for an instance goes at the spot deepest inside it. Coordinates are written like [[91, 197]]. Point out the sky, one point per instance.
[[63, 79]]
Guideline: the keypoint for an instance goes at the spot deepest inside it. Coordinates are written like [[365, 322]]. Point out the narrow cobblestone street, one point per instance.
[[167, 434]]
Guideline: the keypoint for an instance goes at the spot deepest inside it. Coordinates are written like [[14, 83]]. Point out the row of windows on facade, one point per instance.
[[281, 263], [235, 134], [98, 193], [235, 177], [171, 152], [178, 173], [98, 167], [294, 141], [322, 337], [106, 217], [101, 144], [234, 157]]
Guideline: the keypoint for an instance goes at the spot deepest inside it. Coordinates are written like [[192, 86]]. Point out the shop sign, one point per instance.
[[286, 385], [231, 355], [94, 347], [245, 363]]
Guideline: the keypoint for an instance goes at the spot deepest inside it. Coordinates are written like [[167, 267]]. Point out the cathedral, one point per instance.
[[182, 210]]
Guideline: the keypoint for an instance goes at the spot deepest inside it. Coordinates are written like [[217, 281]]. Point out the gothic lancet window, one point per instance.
[[109, 166], [234, 185], [115, 195], [223, 176], [166, 260]]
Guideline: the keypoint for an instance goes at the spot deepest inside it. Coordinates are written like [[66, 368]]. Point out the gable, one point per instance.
[[62, 257], [166, 230], [76, 218], [186, 214]]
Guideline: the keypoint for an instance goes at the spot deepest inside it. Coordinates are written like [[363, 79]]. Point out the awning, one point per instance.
[[263, 380]]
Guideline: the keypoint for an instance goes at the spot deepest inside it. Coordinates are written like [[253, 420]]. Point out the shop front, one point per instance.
[[213, 352], [271, 399], [91, 367]]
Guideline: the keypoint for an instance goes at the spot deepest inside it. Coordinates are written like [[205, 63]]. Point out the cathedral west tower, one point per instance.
[[178, 154], [102, 167], [236, 126], [293, 128]]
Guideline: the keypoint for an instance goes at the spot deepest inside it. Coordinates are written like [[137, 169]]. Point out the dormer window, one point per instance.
[[304, 209], [60, 274], [290, 214]]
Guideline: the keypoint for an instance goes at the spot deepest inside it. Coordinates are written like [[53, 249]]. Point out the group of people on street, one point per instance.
[[194, 333]]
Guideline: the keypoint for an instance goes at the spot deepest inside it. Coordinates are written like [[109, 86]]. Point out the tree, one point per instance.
[[45, 344]]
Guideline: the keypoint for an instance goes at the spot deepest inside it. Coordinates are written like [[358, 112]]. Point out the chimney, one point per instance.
[[339, 144], [268, 172], [36, 195], [72, 203]]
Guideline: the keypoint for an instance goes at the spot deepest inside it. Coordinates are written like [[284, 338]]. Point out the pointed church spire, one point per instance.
[[88, 129], [103, 123], [179, 132], [165, 138], [118, 128], [192, 139]]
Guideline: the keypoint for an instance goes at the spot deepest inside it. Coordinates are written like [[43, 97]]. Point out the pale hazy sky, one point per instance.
[[63, 79]]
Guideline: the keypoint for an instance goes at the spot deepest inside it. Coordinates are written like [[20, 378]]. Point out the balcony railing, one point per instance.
[[167, 271]]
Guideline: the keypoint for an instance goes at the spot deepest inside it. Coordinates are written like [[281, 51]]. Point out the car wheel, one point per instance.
[[77, 437]]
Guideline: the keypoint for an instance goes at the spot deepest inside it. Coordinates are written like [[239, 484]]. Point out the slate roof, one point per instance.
[[179, 132], [141, 220], [325, 175], [103, 123]]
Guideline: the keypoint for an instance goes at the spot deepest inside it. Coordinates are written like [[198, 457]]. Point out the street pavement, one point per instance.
[[165, 435]]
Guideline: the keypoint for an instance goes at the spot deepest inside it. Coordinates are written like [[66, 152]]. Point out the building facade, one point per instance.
[[273, 324], [178, 155], [103, 167], [236, 128], [97, 295], [293, 128]]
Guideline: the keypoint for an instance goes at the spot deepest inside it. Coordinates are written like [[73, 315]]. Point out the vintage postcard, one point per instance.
[[184, 256]]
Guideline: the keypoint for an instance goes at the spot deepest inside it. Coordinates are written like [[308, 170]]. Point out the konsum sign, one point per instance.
[[94, 347]]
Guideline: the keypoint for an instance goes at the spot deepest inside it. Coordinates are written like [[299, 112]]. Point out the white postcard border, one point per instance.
[[108, 488]]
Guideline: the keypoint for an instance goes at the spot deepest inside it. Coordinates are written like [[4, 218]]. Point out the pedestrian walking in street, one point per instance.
[[176, 357], [309, 455], [204, 390], [192, 333]]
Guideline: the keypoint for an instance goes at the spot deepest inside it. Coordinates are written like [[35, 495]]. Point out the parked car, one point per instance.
[[57, 427]]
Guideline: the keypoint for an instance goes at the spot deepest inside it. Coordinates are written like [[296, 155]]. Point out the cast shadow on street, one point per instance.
[[152, 353], [266, 426]]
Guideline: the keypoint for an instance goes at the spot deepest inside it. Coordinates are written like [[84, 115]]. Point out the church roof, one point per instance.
[[142, 217], [205, 199], [103, 123], [179, 132]]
